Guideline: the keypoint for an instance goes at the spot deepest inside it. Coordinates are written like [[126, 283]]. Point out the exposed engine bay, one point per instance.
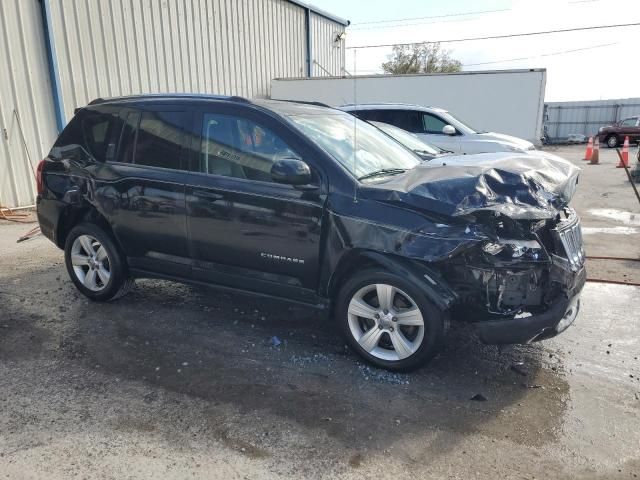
[[524, 270]]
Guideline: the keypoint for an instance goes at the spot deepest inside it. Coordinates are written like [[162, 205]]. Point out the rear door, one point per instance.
[[141, 187], [247, 231], [631, 128]]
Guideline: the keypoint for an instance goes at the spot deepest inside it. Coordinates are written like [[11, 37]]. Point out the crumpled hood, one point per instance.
[[508, 139], [522, 186]]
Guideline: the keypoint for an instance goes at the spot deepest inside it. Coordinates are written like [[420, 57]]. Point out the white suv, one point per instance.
[[438, 127]]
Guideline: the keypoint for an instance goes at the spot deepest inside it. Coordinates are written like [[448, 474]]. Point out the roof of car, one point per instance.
[[389, 106], [282, 107], [286, 107]]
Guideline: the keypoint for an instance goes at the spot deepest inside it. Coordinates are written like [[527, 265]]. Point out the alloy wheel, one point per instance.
[[90, 262], [386, 322]]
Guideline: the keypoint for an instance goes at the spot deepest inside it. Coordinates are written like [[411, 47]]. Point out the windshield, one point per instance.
[[337, 133], [407, 139], [458, 124]]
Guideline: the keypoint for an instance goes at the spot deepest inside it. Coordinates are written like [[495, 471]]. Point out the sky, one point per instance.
[[586, 65]]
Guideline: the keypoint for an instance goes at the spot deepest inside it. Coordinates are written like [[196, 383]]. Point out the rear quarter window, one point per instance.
[[96, 132]]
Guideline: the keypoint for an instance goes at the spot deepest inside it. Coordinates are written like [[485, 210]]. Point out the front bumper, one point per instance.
[[550, 323]]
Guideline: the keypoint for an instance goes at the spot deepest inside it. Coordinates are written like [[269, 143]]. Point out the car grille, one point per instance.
[[568, 235]]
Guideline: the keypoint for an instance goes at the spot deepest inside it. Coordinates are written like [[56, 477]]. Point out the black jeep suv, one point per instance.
[[313, 205]]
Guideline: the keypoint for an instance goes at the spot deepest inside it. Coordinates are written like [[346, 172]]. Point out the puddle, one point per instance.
[[610, 230], [621, 216]]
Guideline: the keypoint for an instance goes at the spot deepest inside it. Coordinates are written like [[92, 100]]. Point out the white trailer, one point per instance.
[[502, 101]]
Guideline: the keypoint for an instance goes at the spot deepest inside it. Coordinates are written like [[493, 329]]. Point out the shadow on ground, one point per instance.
[[218, 348]]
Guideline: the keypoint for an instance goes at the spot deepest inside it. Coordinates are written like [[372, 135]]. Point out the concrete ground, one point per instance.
[[179, 382], [610, 213]]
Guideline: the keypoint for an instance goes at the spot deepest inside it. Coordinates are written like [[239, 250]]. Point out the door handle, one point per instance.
[[207, 195]]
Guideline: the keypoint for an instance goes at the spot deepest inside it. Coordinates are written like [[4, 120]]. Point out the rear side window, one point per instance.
[[96, 132], [629, 122], [408, 120], [371, 115], [152, 138], [159, 139], [128, 137]]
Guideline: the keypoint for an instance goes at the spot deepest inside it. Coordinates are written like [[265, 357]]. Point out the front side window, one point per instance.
[[432, 124], [629, 122], [237, 147], [407, 139]]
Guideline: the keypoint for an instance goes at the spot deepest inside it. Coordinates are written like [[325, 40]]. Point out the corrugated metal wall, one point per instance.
[[25, 100], [106, 48], [327, 52], [565, 118], [122, 47]]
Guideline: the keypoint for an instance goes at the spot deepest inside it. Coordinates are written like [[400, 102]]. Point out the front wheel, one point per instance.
[[389, 321], [612, 141], [95, 265]]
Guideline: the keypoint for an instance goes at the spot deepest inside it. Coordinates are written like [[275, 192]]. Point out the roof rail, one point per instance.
[[237, 98], [233, 98], [306, 102]]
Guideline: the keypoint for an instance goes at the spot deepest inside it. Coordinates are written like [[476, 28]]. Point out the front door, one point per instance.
[[247, 231], [630, 128], [429, 127]]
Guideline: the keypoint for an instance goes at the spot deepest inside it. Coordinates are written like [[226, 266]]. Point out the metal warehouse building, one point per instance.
[[56, 55]]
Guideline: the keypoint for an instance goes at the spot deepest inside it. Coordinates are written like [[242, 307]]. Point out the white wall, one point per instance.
[[510, 101], [328, 53]]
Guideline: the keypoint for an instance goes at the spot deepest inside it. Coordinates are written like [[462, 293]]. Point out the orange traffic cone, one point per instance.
[[595, 156], [624, 159], [589, 152]]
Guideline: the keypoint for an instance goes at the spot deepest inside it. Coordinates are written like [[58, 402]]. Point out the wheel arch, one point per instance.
[[433, 285], [74, 215]]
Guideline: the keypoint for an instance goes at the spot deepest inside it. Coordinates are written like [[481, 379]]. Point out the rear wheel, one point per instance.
[[612, 141], [388, 321], [95, 264]]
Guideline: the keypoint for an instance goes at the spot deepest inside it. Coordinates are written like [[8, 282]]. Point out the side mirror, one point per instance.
[[448, 130], [291, 171]]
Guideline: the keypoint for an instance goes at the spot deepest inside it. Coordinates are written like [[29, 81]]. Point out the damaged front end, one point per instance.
[[524, 285], [514, 255]]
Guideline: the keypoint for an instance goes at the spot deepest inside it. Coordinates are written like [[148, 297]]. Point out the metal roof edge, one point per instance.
[[385, 75], [321, 12], [593, 101]]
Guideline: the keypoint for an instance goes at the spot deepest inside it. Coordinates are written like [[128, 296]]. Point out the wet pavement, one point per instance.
[[174, 381]]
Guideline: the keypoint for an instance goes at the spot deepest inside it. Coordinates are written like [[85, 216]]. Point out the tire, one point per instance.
[[612, 141], [95, 265], [399, 327]]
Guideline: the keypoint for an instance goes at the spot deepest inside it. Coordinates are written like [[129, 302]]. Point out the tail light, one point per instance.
[[39, 182]]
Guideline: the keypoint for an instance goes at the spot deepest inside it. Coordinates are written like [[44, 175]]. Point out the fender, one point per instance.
[[429, 281]]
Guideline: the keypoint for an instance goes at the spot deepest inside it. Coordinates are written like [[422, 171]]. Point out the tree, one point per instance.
[[421, 58]]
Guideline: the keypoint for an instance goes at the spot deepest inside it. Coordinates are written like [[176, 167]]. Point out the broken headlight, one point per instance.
[[505, 249]]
